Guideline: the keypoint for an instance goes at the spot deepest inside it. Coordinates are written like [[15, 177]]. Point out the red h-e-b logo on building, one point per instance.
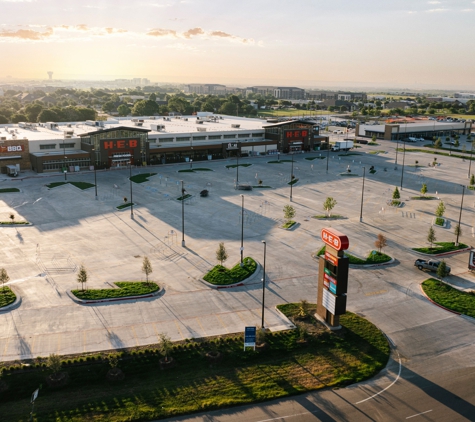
[[295, 134], [121, 144], [335, 239]]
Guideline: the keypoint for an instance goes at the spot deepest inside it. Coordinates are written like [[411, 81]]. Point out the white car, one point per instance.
[[411, 139], [337, 132], [420, 138]]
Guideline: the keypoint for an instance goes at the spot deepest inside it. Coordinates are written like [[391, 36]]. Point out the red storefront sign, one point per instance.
[[296, 134], [335, 239], [332, 259], [11, 148], [121, 144]]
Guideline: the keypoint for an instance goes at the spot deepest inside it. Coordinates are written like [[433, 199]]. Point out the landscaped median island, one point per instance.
[[233, 166], [441, 247], [198, 382], [79, 185], [7, 297], [450, 298], [193, 170], [222, 276], [126, 288], [126, 205], [9, 190], [142, 177], [374, 257]]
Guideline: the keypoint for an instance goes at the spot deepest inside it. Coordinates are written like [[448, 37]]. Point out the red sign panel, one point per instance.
[[296, 134], [11, 148], [332, 259], [335, 239], [121, 144]]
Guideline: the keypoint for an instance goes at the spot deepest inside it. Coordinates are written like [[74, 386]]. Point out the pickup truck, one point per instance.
[[430, 265]]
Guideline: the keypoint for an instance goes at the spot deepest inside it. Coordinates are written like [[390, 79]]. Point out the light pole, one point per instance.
[[95, 165], [64, 161], [403, 158], [191, 163], [328, 152], [237, 170], [131, 197], [291, 177], [362, 195], [182, 215], [470, 165], [460, 216], [242, 229], [263, 284]]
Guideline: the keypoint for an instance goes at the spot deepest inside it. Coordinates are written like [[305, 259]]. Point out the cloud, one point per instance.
[[436, 10], [467, 10], [412, 11], [82, 27], [160, 32], [222, 34], [115, 31], [26, 34], [161, 5], [193, 32], [434, 2]]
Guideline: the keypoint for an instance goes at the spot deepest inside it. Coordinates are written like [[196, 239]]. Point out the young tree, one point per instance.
[[438, 143], [396, 194], [424, 189], [221, 253], [431, 236], [12, 217], [53, 362], [457, 143], [458, 231], [381, 242], [146, 267], [289, 212], [3, 278], [165, 346], [440, 211], [442, 270], [472, 180], [82, 276], [329, 204]]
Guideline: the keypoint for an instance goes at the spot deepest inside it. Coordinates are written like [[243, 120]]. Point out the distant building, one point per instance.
[[336, 95], [467, 95]]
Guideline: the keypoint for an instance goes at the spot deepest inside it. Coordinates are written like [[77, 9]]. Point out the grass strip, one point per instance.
[[193, 170], [423, 198], [293, 182], [233, 166], [441, 248], [288, 224], [262, 187], [326, 217], [222, 276], [356, 352], [8, 190], [450, 298], [7, 296], [142, 177], [126, 288], [374, 257], [182, 198], [127, 205], [314, 158]]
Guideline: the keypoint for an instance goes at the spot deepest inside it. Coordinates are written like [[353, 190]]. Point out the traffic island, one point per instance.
[[141, 178], [8, 299], [285, 368], [79, 185], [193, 170], [126, 290], [9, 190], [443, 248], [222, 277], [374, 258]]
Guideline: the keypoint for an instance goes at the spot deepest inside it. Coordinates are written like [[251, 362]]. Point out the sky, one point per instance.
[[306, 43]]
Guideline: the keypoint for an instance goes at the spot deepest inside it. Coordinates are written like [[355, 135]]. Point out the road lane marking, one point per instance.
[[379, 292], [222, 323], [179, 329], [390, 385], [199, 322], [84, 341], [289, 416], [132, 328], [418, 414]]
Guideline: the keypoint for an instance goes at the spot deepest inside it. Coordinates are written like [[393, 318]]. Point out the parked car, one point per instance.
[[411, 139], [430, 265], [420, 138]]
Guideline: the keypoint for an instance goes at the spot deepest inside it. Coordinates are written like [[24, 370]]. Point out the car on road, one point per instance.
[[430, 265]]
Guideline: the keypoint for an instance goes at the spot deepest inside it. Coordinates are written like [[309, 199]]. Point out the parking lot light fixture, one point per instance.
[[182, 214], [403, 158], [263, 285], [362, 195], [460, 216], [242, 229], [131, 197]]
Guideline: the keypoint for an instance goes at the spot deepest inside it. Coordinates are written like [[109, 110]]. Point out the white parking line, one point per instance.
[[418, 414]]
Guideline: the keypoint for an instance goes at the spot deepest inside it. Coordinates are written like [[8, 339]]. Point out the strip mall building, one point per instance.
[[75, 146]]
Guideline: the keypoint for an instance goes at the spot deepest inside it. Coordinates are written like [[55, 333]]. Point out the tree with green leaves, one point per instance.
[[289, 212], [4, 278], [396, 194], [146, 267], [424, 189], [123, 110], [53, 363], [438, 143], [472, 180], [458, 231], [221, 253], [329, 204], [165, 346], [442, 270], [82, 276], [440, 211], [431, 236]]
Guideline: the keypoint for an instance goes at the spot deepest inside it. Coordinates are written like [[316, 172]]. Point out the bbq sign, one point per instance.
[[120, 143], [297, 134], [11, 148], [335, 239]]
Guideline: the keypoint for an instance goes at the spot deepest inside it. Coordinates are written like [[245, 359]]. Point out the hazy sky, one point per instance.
[[404, 43]]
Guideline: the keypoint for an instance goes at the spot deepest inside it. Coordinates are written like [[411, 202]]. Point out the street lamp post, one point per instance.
[[470, 164], [237, 170], [362, 195], [242, 229], [95, 165], [291, 176], [460, 216], [131, 195], [182, 215], [263, 284], [403, 158], [328, 152], [64, 161]]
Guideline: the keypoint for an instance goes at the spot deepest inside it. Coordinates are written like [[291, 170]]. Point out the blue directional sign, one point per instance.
[[249, 337]]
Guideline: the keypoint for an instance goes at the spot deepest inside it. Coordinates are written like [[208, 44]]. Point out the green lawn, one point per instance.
[[449, 297], [233, 166], [79, 185], [325, 217], [293, 182], [328, 360], [288, 224], [6, 296], [221, 275], [126, 288], [376, 258], [141, 178], [181, 198], [127, 205], [423, 198], [7, 190], [262, 187], [441, 247]]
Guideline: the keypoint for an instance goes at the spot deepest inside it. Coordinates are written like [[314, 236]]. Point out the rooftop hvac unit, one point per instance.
[[152, 117], [185, 119], [67, 136], [157, 127], [201, 129], [236, 126], [68, 125], [3, 138]]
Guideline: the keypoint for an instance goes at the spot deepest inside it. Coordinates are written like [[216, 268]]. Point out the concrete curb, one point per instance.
[[292, 326], [230, 286], [117, 299], [468, 248], [435, 303], [17, 225], [354, 266], [13, 305]]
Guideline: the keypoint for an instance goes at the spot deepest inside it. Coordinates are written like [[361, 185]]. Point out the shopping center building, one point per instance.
[[74, 146]]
